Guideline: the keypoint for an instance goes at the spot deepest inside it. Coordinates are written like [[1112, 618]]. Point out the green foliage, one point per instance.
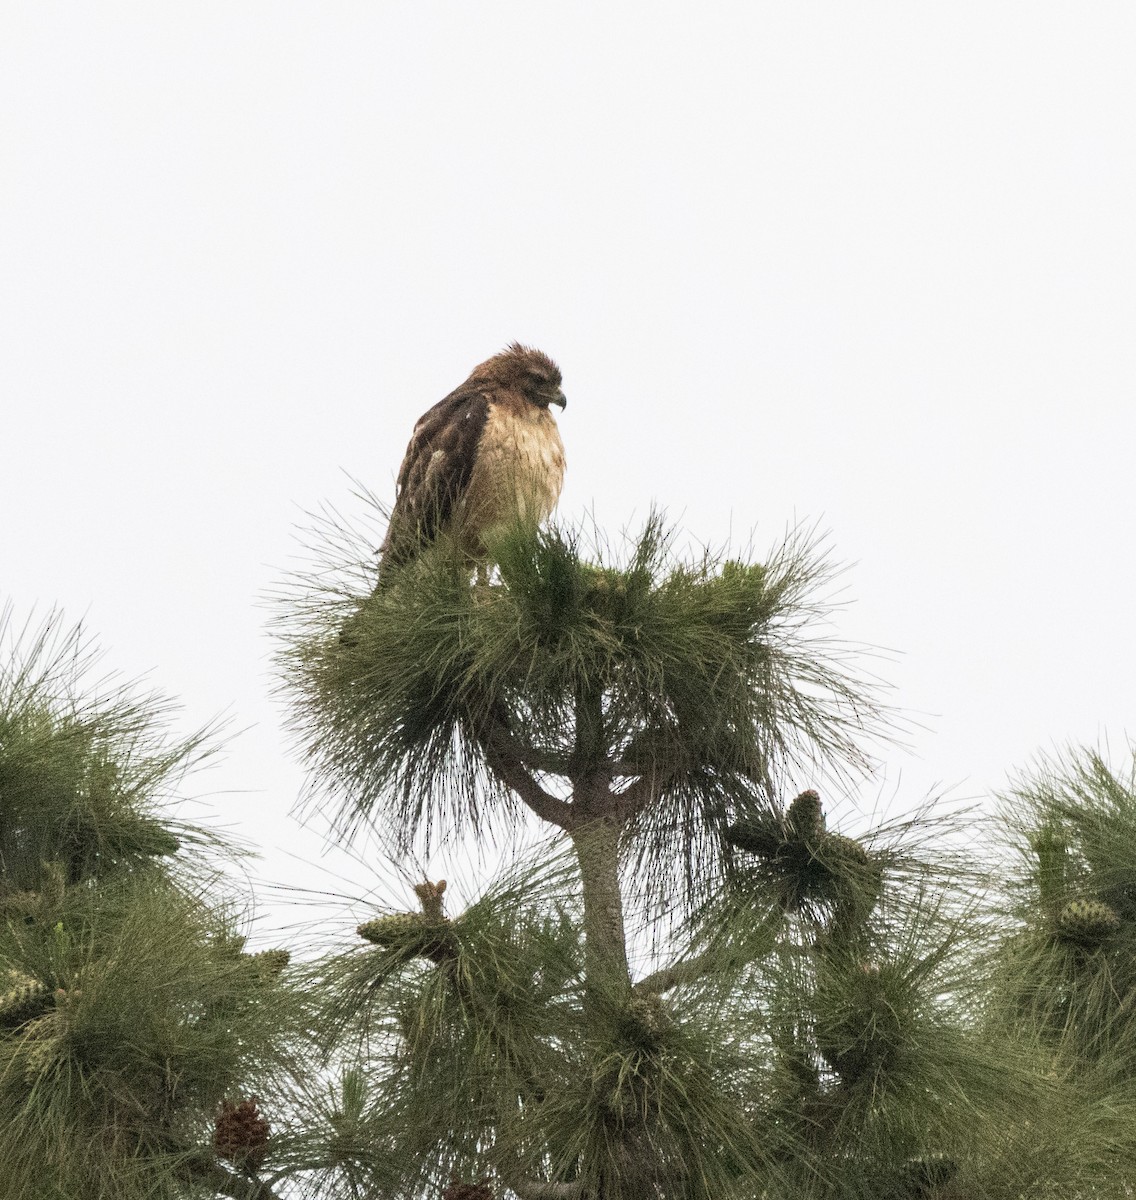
[[705, 677], [655, 1101], [804, 1053], [1064, 977], [455, 1046], [1070, 970], [822, 1016], [80, 778], [144, 1043], [699, 990], [805, 867], [855, 999], [127, 1011]]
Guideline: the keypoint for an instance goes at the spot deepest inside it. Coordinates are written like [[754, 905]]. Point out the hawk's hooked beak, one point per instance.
[[559, 398]]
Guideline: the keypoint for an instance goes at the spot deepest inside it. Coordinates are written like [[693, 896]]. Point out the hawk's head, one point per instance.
[[523, 369]]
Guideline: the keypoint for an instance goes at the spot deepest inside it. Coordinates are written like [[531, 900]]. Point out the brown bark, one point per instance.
[[534, 1189], [605, 939], [666, 978], [508, 766]]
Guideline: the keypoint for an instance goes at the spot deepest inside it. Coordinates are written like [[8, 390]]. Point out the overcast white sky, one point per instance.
[[868, 265]]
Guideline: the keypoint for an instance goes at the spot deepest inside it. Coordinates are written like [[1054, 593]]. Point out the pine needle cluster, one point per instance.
[[127, 1010], [1066, 972], [704, 678]]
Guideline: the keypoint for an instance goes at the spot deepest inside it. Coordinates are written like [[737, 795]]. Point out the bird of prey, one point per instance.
[[486, 456]]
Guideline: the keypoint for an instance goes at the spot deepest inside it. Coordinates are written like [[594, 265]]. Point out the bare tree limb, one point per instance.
[[530, 756], [506, 763], [642, 794], [511, 1174], [533, 1189], [666, 978], [622, 770]]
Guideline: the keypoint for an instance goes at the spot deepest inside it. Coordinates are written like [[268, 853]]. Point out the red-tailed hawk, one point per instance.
[[486, 455]]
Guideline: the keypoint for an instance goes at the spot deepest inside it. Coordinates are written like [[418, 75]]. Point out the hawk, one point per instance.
[[482, 458]]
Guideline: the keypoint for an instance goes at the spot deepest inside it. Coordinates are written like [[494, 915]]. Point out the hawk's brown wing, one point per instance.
[[435, 473]]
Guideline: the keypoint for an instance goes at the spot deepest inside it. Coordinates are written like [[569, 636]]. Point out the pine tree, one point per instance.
[[701, 976], [131, 1019], [697, 986]]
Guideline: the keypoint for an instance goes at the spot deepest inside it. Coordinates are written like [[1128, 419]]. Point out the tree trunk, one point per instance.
[[605, 944]]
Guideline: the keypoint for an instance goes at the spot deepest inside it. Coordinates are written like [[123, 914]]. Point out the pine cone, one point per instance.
[[457, 1190], [805, 818], [22, 999], [645, 1019], [1087, 922], [412, 933], [397, 930], [764, 836], [846, 848], [269, 965], [430, 897], [240, 1133], [859, 882]]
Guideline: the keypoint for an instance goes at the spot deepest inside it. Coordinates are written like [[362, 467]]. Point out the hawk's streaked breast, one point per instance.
[[518, 471]]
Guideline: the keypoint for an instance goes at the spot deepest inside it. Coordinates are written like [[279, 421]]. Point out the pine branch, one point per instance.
[[666, 978], [622, 770], [529, 756], [503, 759], [531, 1189], [646, 791], [207, 1170]]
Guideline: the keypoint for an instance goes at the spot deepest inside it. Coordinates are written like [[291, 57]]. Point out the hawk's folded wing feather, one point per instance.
[[435, 473]]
